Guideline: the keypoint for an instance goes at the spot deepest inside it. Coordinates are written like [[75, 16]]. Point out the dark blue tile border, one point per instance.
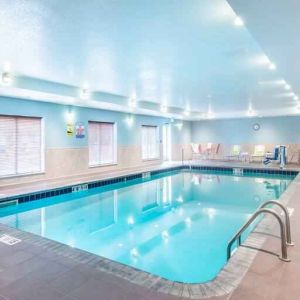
[[98, 183]]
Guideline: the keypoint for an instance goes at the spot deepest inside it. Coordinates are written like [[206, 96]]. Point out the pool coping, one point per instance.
[[90, 184], [224, 283]]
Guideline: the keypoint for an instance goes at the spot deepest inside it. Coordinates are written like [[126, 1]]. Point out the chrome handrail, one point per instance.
[[284, 255], [287, 219]]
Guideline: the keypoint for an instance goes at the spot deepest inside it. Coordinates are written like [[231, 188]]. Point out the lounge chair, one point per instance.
[[235, 152], [215, 151], [208, 150], [196, 150], [259, 153]]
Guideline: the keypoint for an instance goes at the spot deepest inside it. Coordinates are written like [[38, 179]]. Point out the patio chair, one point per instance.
[[235, 152], [196, 150], [259, 153]]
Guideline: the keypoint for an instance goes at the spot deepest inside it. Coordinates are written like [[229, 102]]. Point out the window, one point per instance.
[[150, 142], [21, 150], [102, 143]]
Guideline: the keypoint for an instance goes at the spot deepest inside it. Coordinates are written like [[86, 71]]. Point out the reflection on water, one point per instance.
[[176, 226]]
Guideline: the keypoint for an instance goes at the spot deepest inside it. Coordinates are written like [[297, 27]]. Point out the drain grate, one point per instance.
[[9, 240]]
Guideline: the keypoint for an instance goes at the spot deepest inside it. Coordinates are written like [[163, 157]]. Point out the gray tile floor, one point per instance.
[[28, 271]]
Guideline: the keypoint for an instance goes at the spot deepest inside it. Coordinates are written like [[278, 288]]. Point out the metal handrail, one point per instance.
[[287, 219], [283, 255]]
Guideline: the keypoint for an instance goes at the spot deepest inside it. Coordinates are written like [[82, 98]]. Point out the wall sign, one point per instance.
[[79, 130], [70, 129]]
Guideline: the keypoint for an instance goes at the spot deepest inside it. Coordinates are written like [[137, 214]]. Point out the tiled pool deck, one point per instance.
[[37, 268]]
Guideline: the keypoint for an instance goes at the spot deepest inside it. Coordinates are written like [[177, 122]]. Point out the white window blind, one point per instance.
[[20, 145], [102, 144], [150, 142]]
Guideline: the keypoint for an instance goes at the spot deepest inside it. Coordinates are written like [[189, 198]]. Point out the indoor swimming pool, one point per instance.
[[175, 225]]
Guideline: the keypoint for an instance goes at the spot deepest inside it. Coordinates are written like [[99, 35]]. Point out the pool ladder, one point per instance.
[[285, 228]]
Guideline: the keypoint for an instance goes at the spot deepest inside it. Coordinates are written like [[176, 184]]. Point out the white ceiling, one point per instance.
[[184, 54]]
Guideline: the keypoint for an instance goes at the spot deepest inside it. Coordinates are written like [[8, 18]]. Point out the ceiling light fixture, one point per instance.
[[163, 108], [84, 93], [296, 98], [272, 66], [210, 115], [6, 78], [186, 112], [287, 87], [250, 112], [132, 103], [238, 21]]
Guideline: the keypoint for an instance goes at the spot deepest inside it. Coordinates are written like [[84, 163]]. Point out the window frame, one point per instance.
[[42, 147], [157, 135], [115, 145]]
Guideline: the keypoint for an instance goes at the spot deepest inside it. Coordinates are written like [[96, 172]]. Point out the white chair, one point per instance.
[[235, 152], [259, 153], [196, 150]]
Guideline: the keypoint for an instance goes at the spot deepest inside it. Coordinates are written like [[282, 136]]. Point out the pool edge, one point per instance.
[[224, 283]]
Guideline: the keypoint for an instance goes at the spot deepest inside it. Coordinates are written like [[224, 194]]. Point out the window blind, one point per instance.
[[20, 145], [102, 144], [150, 142]]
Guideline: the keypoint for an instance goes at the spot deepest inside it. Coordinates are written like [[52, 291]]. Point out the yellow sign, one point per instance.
[[70, 129]]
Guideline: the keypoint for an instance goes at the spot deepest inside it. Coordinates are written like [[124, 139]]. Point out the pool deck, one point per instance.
[[8, 190], [39, 269]]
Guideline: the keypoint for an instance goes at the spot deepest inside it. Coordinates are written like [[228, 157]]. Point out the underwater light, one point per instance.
[[179, 199], [165, 234], [130, 221], [134, 252], [188, 220]]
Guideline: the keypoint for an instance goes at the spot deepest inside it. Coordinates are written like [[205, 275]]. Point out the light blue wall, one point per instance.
[[274, 130], [55, 119]]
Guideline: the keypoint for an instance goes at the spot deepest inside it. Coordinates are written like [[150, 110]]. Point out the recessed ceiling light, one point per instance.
[[287, 87], [238, 21], [272, 66], [296, 98]]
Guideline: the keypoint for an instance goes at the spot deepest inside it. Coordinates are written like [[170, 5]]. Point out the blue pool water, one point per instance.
[[175, 225]]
